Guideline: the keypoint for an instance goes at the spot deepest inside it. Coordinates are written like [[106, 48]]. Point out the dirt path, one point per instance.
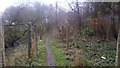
[[50, 58]]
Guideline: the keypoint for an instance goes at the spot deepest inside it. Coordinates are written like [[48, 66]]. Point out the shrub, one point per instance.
[[87, 31]]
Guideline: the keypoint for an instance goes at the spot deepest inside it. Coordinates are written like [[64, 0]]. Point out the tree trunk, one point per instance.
[[34, 44], [29, 43], [75, 37], [41, 32], [114, 32], [2, 48], [67, 41]]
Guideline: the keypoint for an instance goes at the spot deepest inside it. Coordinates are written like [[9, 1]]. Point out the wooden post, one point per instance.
[[1, 44], [67, 41], [29, 43], [118, 41], [118, 50], [34, 44], [2, 49]]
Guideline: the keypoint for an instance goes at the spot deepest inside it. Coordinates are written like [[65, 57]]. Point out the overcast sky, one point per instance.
[[6, 3]]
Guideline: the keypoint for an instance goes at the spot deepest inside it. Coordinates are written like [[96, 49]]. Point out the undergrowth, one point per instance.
[[40, 59]]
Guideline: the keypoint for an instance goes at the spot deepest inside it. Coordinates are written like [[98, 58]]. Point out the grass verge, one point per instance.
[[59, 56], [40, 59]]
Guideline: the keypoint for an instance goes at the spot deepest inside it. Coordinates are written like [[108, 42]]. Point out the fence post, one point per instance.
[[2, 49]]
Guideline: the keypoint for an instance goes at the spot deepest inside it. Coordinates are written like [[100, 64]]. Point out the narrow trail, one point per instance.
[[50, 58]]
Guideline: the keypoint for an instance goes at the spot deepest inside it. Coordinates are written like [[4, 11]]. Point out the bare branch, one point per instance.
[[71, 7]]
